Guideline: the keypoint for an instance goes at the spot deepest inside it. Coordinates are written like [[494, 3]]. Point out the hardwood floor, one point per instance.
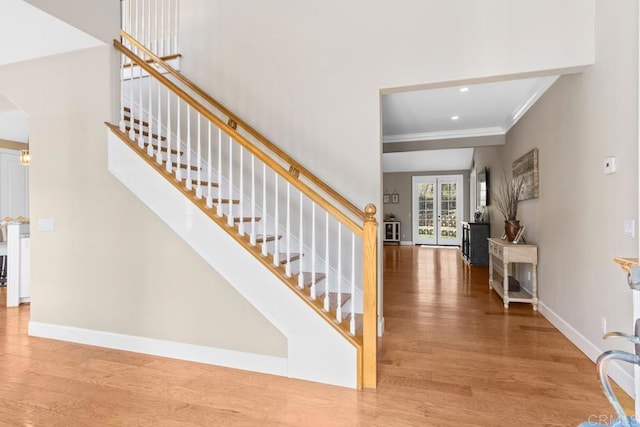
[[450, 356]]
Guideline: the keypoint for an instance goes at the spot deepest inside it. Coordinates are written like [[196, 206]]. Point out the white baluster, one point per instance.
[[241, 207], [140, 110], [264, 209], [209, 170], [160, 52], [253, 200], [122, 125], [327, 304], [288, 243], [189, 183], [178, 140], [199, 161], [155, 30], [339, 309], [132, 131], [141, 17], [313, 250], [168, 164], [301, 244], [159, 127], [352, 323], [219, 205], [125, 17], [230, 196], [123, 25], [150, 120], [149, 33], [136, 34], [176, 48], [276, 227]]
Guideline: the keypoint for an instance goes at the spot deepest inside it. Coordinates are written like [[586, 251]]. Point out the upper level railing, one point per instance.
[[284, 209], [153, 23]]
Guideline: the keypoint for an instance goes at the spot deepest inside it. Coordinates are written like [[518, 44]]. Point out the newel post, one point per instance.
[[370, 291]]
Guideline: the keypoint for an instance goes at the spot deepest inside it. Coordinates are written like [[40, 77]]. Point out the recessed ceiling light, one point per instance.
[[464, 89], [455, 117]]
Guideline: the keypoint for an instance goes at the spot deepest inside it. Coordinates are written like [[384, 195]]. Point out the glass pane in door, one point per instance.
[[426, 211], [448, 211]]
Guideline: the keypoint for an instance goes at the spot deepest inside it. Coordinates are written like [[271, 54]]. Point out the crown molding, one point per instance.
[[429, 136], [537, 91]]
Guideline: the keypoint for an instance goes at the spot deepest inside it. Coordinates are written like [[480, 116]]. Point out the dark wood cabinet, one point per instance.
[[475, 248]]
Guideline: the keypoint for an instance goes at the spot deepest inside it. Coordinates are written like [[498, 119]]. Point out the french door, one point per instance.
[[437, 210]]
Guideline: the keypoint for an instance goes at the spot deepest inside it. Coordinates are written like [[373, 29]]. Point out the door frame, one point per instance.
[[459, 178]]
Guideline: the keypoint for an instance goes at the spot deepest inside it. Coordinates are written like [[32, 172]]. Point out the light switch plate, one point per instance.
[[630, 227], [610, 165], [46, 224]]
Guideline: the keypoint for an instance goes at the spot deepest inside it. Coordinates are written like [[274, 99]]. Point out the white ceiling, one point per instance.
[[27, 33], [427, 115]]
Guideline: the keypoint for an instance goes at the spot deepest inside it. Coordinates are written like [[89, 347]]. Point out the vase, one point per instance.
[[511, 228]]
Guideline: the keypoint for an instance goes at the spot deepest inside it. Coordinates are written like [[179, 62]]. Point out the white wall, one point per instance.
[[27, 32], [308, 74], [111, 265], [86, 15], [578, 219], [14, 126]]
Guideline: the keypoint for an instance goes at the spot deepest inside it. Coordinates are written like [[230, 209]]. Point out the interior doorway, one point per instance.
[[437, 210]]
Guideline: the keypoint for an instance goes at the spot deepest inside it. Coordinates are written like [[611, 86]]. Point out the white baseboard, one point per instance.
[[175, 350], [617, 374], [406, 243]]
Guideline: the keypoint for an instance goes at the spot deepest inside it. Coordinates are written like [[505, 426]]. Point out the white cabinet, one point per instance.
[[392, 232]]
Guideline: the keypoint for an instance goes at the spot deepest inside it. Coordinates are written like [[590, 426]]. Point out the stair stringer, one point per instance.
[[316, 350]]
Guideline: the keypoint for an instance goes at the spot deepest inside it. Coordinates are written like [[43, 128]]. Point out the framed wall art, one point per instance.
[[527, 168]]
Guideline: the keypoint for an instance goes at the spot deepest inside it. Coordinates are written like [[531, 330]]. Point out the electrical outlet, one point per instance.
[[603, 325], [529, 276]]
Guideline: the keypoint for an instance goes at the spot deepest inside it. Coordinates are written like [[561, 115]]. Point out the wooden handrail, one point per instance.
[[257, 135], [357, 229]]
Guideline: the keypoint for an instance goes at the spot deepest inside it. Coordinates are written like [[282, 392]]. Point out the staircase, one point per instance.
[[299, 251]]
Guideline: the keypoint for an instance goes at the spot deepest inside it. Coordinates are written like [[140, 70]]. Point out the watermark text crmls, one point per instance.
[[605, 419]]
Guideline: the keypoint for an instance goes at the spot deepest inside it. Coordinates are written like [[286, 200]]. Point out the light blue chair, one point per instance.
[[603, 361]]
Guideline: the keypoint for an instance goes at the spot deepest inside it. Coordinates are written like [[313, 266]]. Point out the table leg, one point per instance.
[[534, 285], [505, 284], [490, 270]]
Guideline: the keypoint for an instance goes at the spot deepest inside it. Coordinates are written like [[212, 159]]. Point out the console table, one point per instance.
[[502, 255]]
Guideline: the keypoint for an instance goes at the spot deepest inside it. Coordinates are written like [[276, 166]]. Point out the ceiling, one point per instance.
[[450, 113], [27, 32]]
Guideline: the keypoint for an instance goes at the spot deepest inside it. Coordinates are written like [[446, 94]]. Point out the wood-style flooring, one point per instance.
[[451, 356]]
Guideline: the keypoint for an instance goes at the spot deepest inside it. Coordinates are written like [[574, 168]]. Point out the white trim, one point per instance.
[[406, 243], [458, 179], [619, 375], [537, 91], [380, 325], [449, 134], [175, 350]]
